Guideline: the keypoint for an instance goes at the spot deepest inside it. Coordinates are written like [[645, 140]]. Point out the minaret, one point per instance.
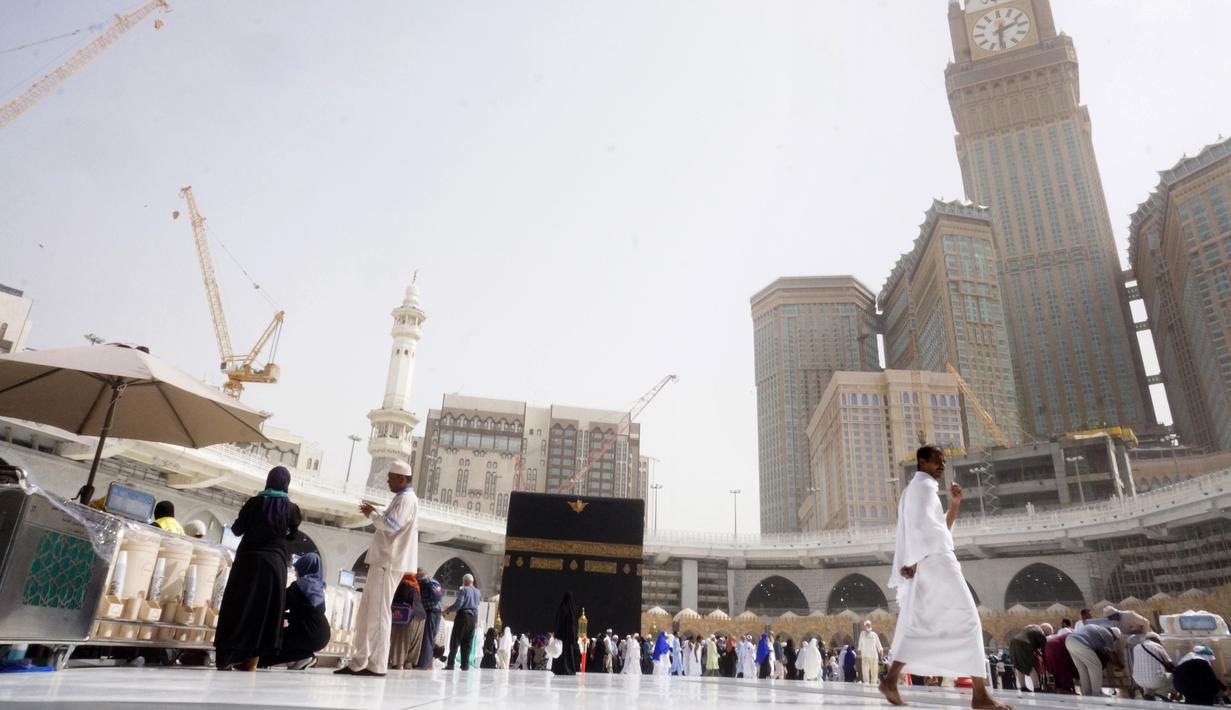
[[393, 423]]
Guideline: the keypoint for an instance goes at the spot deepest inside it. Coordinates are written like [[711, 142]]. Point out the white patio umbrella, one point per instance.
[[79, 390]]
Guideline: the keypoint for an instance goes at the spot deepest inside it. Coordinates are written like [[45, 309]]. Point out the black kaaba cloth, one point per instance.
[[585, 545]]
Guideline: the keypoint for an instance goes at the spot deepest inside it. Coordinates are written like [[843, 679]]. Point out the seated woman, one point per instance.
[[307, 627]]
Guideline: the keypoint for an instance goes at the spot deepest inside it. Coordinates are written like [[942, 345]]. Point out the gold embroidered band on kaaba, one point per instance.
[[571, 547]]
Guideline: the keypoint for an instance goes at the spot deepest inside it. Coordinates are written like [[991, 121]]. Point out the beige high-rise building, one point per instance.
[[804, 330], [866, 424], [1180, 251], [941, 305], [471, 447], [1025, 148]]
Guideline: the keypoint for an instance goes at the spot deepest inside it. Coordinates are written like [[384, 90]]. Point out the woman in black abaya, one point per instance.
[[250, 619], [566, 630]]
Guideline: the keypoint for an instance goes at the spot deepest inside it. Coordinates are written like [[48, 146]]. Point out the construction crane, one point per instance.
[[239, 368], [80, 58], [611, 437], [973, 401]]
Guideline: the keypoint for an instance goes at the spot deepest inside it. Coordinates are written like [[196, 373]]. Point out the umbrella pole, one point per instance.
[[87, 491]]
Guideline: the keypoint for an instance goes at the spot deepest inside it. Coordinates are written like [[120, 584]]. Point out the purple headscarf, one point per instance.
[[275, 503], [309, 578]]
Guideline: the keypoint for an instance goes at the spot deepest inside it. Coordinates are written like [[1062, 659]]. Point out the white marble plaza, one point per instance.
[[200, 689]]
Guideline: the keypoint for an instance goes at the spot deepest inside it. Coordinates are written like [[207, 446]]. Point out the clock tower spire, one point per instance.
[[1025, 146]]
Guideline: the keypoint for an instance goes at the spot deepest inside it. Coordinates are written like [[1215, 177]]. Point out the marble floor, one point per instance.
[[199, 689]]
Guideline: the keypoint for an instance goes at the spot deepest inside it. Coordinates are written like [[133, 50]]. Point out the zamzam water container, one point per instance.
[[177, 551], [141, 548], [1181, 632]]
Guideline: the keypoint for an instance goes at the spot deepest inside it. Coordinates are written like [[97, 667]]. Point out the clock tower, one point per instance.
[[1025, 148]]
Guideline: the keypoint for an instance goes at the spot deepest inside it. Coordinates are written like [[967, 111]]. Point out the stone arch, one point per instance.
[[451, 571], [774, 595], [858, 593], [1040, 585]]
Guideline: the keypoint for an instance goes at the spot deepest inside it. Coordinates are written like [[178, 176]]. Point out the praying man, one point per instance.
[[938, 631]]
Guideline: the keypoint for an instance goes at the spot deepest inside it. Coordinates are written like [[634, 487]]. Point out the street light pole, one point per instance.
[[656, 487], [978, 471], [353, 440], [1077, 461], [735, 509]]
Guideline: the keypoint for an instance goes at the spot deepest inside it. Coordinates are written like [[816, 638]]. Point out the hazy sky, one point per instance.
[[591, 191]]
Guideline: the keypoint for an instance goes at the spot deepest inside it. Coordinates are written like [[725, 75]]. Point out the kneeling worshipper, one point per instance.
[[1195, 679], [307, 627], [939, 632]]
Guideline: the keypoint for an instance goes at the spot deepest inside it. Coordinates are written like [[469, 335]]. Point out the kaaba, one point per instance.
[[585, 545]]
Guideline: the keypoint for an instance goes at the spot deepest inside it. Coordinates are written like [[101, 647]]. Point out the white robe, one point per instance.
[[749, 662], [504, 649], [663, 665], [692, 658], [523, 653], [677, 656], [810, 661], [632, 656], [938, 631]]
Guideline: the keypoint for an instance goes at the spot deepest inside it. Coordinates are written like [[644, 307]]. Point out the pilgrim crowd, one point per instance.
[[265, 621]]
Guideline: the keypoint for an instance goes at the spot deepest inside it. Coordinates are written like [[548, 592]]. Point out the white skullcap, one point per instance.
[[400, 468]]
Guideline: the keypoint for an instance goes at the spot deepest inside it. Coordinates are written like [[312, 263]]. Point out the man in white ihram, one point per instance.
[[938, 632], [394, 552]]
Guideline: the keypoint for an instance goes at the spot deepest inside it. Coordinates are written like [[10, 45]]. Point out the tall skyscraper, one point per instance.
[[941, 305], [1180, 251], [804, 330], [1025, 148], [393, 424], [866, 424]]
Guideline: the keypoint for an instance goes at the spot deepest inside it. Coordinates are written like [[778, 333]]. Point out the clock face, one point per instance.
[[1001, 29]]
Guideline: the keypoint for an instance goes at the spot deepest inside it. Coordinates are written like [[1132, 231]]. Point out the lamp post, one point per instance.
[[353, 440], [978, 471], [1077, 461], [735, 510], [656, 487]]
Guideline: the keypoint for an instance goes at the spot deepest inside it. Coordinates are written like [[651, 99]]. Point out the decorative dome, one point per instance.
[[1192, 592], [788, 614], [879, 613], [687, 614], [1018, 609], [1058, 608], [657, 611], [717, 614], [748, 615], [848, 614]]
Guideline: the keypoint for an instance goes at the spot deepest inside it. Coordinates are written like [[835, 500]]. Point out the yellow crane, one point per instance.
[[973, 400], [239, 368], [49, 83]]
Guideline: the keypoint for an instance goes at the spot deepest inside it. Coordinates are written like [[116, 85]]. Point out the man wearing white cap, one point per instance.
[[393, 552]]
